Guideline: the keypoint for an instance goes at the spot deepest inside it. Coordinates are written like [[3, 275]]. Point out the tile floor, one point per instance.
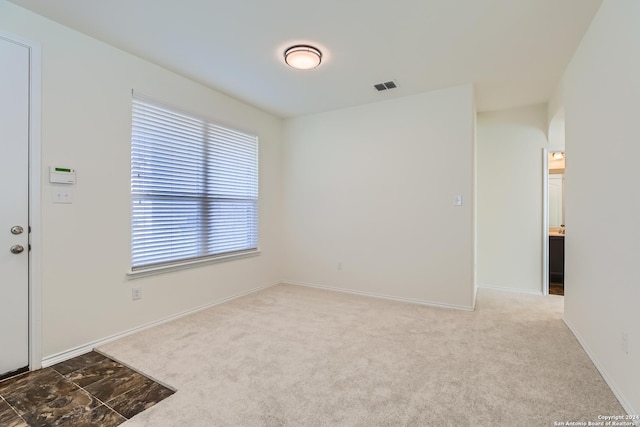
[[556, 288], [88, 390]]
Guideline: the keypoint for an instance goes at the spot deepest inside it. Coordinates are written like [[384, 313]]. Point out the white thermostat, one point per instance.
[[61, 175]]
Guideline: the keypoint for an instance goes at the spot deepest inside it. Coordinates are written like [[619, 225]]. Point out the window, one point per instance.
[[194, 188]]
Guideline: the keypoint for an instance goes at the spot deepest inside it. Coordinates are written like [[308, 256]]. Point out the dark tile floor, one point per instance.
[[556, 288], [88, 390]]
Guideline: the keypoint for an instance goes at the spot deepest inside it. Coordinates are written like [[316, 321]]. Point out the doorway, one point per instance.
[[556, 222], [20, 215]]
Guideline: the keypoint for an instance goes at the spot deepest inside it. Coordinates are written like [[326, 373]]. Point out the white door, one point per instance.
[[14, 211]]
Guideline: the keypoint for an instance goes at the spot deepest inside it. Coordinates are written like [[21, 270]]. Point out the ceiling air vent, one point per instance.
[[386, 85]]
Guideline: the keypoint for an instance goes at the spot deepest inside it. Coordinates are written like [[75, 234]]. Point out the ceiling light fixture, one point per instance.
[[558, 156], [302, 57]]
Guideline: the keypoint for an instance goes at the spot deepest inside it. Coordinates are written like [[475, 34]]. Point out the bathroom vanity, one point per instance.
[[556, 256]]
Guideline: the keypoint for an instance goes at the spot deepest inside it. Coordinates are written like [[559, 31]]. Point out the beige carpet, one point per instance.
[[295, 356]]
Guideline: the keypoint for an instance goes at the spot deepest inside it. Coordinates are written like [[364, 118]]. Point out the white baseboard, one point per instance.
[[85, 348], [376, 295], [612, 385], [502, 288]]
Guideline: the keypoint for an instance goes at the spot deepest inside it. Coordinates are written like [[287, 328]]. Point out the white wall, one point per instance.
[[555, 119], [86, 120], [373, 187], [557, 133], [602, 110], [510, 176]]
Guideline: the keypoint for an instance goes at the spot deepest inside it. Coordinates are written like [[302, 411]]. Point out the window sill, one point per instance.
[[152, 271]]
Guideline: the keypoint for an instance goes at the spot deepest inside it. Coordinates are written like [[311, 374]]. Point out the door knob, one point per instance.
[[17, 249], [16, 229]]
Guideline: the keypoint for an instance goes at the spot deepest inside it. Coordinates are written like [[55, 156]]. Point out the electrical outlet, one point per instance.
[[136, 293], [339, 266], [625, 342]]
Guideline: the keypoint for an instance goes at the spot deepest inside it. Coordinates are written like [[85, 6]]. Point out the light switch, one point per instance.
[[62, 195], [458, 200]]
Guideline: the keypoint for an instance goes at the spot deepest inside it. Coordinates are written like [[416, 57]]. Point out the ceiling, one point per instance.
[[513, 51]]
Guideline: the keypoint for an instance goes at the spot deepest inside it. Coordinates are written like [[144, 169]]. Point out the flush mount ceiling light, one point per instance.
[[558, 156], [302, 57]]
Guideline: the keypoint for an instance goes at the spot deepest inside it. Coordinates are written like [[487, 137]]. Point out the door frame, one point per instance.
[[545, 221], [35, 223]]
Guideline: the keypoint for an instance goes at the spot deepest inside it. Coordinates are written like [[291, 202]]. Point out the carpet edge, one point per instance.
[[612, 385]]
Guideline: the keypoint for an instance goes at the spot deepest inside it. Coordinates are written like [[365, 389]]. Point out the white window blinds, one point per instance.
[[194, 188]]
